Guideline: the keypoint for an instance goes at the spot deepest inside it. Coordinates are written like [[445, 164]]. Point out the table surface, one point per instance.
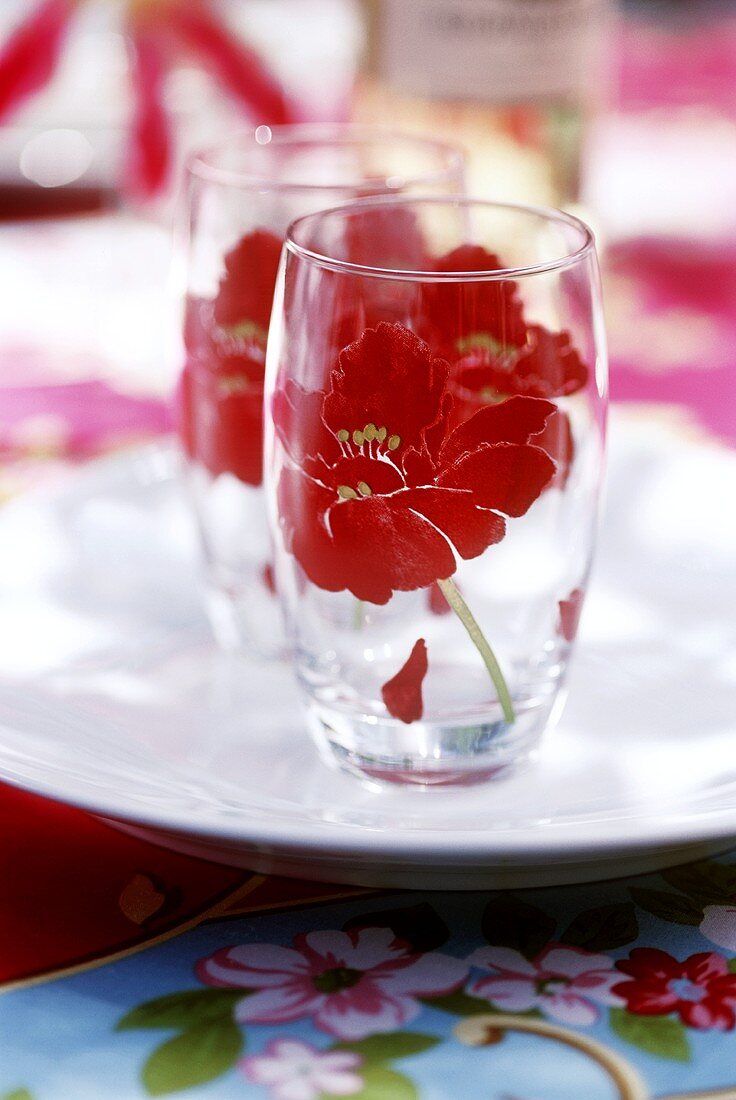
[[130, 971]]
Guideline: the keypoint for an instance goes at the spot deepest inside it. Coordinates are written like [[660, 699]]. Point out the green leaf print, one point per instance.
[[508, 922], [603, 929], [674, 908], [195, 1057], [386, 1048], [383, 1084], [658, 1035], [183, 1010]]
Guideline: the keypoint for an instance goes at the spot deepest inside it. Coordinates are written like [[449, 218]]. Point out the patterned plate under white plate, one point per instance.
[[114, 698]]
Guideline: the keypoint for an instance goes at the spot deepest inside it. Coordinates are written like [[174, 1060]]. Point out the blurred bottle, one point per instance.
[[514, 81]]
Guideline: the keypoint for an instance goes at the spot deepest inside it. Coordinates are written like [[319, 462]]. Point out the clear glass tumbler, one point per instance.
[[241, 196], [436, 387]]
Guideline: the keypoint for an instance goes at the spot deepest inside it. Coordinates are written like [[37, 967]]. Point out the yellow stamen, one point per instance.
[[343, 435], [381, 434], [358, 438], [346, 492], [369, 432], [364, 489], [393, 442]]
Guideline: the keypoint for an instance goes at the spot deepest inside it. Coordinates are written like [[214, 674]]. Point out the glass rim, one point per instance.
[[200, 162], [546, 213]]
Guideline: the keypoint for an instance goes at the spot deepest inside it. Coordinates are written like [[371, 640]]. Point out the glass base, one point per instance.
[[479, 748]]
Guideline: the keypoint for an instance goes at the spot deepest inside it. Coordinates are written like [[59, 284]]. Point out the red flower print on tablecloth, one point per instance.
[[701, 990], [565, 983], [352, 984], [378, 496], [294, 1070], [221, 392]]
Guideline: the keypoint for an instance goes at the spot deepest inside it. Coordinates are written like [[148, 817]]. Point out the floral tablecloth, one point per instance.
[[128, 972]]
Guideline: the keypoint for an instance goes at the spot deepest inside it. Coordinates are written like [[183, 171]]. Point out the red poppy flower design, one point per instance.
[[245, 295], [221, 397], [701, 990], [546, 364], [378, 496], [455, 309], [403, 693], [480, 328]]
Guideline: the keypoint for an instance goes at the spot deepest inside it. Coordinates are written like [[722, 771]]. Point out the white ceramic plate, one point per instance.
[[114, 698]]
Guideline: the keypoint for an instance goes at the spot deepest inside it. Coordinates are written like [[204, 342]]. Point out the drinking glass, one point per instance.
[[240, 197], [436, 387]]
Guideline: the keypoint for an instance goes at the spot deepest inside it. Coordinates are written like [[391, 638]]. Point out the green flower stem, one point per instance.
[[457, 603]]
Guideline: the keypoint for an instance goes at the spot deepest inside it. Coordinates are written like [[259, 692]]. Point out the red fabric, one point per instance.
[[30, 55], [76, 891], [238, 68], [150, 139], [67, 882]]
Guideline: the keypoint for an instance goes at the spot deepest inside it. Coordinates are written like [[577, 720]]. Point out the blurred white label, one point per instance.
[[495, 50]]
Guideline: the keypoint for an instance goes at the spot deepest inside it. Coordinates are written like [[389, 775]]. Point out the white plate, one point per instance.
[[113, 697]]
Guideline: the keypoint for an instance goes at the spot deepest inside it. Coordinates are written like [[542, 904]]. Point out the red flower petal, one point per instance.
[[379, 477], [505, 476], [650, 962], [384, 547], [646, 1000], [706, 966], [390, 378], [709, 1013], [150, 142], [236, 66], [512, 421], [471, 530], [31, 52], [403, 693], [246, 288], [303, 504], [570, 609], [297, 417], [546, 365]]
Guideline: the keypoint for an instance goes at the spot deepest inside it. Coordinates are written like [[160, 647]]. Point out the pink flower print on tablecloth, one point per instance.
[[293, 1070], [352, 984], [565, 983]]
